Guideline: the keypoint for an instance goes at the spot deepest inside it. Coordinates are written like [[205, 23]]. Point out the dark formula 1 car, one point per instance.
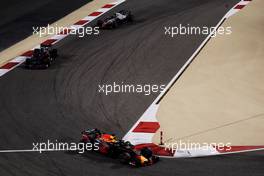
[[42, 57], [109, 145], [121, 17]]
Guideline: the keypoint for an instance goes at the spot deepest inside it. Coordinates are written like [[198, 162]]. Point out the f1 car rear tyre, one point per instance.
[[100, 23], [53, 54], [47, 65]]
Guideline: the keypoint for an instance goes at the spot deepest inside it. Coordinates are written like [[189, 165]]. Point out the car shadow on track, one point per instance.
[[98, 158]]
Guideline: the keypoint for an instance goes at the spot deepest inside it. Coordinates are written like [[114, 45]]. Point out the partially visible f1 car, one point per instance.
[[42, 57], [109, 145], [121, 17]]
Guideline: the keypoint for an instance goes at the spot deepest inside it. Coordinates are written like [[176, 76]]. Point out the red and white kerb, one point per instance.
[[142, 132], [237, 7]]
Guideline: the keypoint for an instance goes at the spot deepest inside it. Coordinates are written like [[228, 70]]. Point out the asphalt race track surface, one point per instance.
[[19, 16], [37, 105]]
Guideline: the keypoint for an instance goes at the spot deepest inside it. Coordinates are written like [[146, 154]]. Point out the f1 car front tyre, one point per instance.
[[130, 18], [124, 158], [146, 152]]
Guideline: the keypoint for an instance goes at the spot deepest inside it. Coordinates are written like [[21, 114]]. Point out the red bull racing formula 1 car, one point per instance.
[[109, 145]]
